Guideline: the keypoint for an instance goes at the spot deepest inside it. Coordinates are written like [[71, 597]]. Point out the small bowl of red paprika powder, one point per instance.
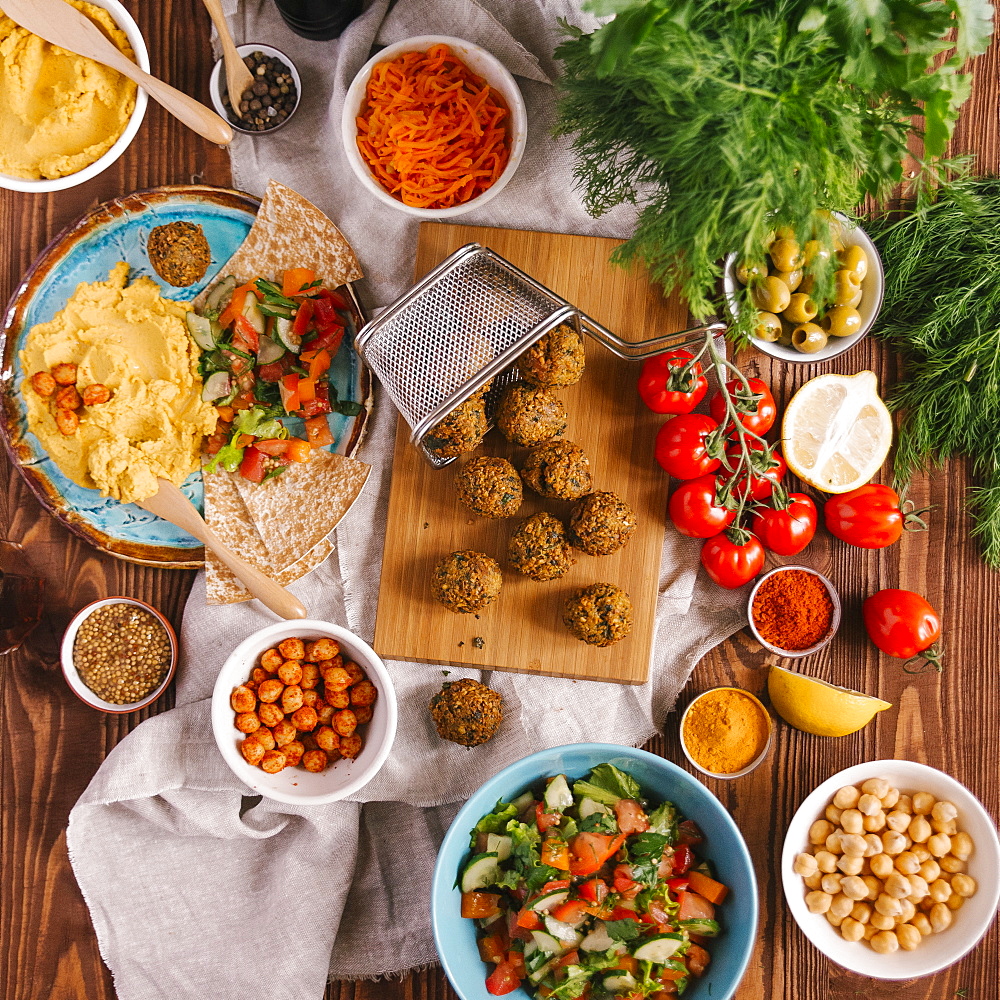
[[794, 611]]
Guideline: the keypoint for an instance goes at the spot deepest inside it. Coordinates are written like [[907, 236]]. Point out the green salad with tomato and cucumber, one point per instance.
[[587, 889]]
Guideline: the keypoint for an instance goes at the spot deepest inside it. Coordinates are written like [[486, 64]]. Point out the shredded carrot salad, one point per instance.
[[432, 131]]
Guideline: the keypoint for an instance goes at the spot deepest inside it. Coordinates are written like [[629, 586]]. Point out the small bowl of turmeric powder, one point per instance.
[[793, 611], [726, 732]]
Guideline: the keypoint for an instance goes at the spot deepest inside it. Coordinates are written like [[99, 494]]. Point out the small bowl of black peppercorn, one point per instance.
[[270, 101]]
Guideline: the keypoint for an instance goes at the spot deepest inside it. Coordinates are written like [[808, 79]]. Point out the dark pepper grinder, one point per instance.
[[318, 19]]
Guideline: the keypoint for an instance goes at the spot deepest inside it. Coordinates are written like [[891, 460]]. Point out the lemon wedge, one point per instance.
[[817, 707], [836, 432]]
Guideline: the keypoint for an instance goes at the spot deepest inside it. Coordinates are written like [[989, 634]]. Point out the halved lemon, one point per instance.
[[817, 707], [836, 432]]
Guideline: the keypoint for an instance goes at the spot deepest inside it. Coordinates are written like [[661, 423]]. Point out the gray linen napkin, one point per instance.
[[195, 888]]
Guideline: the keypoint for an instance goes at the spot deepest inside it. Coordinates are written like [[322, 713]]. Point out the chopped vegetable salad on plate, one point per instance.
[[588, 890]]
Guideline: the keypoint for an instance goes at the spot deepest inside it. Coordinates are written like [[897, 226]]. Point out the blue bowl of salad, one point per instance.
[[594, 869]]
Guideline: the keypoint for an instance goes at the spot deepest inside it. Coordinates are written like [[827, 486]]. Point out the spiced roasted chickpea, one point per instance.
[[270, 714], [293, 753], [363, 713], [327, 739], [270, 660], [363, 693], [321, 649], [264, 737], [290, 672], [253, 751], [270, 690], [247, 722], [292, 649], [354, 671], [291, 699], [242, 699], [336, 679], [338, 699], [350, 746], [284, 732], [273, 761], [315, 760], [305, 719], [345, 722], [310, 676], [64, 374]]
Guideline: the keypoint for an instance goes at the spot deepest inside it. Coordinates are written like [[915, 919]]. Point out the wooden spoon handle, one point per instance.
[[186, 109], [238, 77]]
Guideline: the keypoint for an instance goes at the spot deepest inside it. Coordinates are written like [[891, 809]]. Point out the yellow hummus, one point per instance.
[[59, 112], [135, 342]]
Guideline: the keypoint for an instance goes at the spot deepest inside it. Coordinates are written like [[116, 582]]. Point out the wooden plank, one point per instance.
[[523, 630]]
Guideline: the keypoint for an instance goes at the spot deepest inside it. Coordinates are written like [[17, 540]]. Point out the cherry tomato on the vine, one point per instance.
[[694, 510], [868, 517], [731, 564], [761, 485], [902, 623], [682, 446], [788, 531], [663, 387], [761, 413]]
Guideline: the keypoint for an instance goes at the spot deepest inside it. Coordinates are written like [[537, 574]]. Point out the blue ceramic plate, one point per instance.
[[86, 251], [455, 937]]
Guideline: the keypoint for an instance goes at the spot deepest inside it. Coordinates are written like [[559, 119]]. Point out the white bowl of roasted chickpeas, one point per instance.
[[304, 712], [793, 325], [892, 869]]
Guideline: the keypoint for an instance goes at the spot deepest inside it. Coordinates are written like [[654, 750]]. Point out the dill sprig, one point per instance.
[[942, 312], [722, 119]]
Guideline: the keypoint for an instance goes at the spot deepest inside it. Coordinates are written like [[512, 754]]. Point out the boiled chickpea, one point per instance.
[[841, 905], [808, 338], [874, 823], [904, 804], [882, 866], [770, 295], [962, 885], [885, 942], [805, 864], [919, 887], [881, 922], [818, 902], [923, 803], [961, 846], [767, 328], [834, 843], [874, 887], [831, 883], [846, 797], [930, 870], [853, 844], [786, 254], [940, 917], [897, 885], [855, 260], [852, 821], [814, 881], [791, 278], [909, 912], [869, 805], [944, 810], [919, 830], [862, 912], [854, 887], [826, 861], [851, 865], [908, 936], [907, 863], [890, 798], [888, 905], [949, 863], [833, 919], [949, 827], [893, 843], [851, 930], [922, 924], [939, 890], [875, 786], [939, 845], [800, 308], [870, 932], [955, 901], [846, 289], [898, 821], [920, 852], [873, 845], [833, 813]]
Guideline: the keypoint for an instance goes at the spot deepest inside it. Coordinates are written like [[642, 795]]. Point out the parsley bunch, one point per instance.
[[722, 119]]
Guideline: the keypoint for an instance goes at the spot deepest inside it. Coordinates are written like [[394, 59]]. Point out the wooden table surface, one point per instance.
[[53, 744]]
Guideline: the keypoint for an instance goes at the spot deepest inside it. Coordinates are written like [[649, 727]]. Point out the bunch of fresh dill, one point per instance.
[[942, 311], [725, 118]]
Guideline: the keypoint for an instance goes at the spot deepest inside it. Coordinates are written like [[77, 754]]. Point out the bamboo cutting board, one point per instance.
[[522, 630]]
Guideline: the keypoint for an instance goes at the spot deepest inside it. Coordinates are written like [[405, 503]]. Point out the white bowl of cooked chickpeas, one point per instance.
[[304, 712], [892, 869], [792, 324]]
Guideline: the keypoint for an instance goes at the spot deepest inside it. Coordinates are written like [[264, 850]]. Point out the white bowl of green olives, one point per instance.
[[791, 325]]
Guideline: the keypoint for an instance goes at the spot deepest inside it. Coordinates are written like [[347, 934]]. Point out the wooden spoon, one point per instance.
[[60, 24], [238, 77], [170, 504]]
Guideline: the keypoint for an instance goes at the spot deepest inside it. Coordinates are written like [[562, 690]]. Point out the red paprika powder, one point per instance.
[[792, 610]]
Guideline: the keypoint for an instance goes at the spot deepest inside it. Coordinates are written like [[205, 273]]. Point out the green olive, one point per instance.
[[841, 321], [785, 340], [745, 271], [846, 289], [771, 295], [791, 278], [800, 309], [808, 338], [786, 255], [768, 327], [808, 284], [855, 260], [815, 251]]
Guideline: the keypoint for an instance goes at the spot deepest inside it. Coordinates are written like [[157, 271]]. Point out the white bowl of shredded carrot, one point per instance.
[[434, 126]]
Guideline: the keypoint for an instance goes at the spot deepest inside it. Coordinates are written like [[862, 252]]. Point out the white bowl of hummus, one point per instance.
[[65, 118]]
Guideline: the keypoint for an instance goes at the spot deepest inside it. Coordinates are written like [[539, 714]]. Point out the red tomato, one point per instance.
[[480, 905], [756, 415], [787, 531], [668, 384], [683, 859], [503, 979], [868, 517], [731, 565], [683, 444], [902, 623], [630, 816], [595, 890], [623, 879], [272, 446], [762, 480], [573, 911], [588, 851], [697, 959], [694, 907], [694, 510], [544, 820], [688, 832], [252, 465]]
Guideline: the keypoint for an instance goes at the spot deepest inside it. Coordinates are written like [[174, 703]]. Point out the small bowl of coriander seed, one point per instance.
[[272, 99], [118, 654]]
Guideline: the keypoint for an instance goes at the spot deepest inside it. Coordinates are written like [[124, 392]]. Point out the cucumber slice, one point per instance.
[[658, 949], [218, 298], [500, 843], [599, 939], [541, 972], [702, 926], [216, 386], [200, 328], [547, 900], [253, 314], [618, 982], [283, 331], [269, 351], [482, 871], [566, 933], [276, 309], [523, 801], [547, 943], [589, 806], [558, 797]]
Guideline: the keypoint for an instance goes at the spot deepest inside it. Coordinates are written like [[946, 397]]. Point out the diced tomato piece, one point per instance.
[[595, 890], [299, 450], [658, 912], [480, 905], [694, 907], [307, 390], [572, 911], [544, 820], [295, 279], [676, 885], [274, 371], [321, 404], [334, 298], [247, 332], [491, 949], [588, 851], [688, 833], [303, 317], [289, 389], [555, 853], [714, 892], [516, 959], [325, 311], [682, 860], [225, 412], [623, 913], [669, 975], [503, 979], [623, 879], [252, 466], [628, 963], [318, 431], [328, 339], [215, 442], [697, 959], [559, 883], [243, 401], [631, 818], [529, 919], [570, 958]]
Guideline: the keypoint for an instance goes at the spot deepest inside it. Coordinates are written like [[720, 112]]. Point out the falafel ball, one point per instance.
[[466, 712], [490, 487], [528, 416], [554, 361], [466, 581], [601, 523], [600, 614], [461, 431], [539, 549], [558, 470]]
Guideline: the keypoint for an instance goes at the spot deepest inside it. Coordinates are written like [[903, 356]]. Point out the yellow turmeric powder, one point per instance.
[[726, 730]]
